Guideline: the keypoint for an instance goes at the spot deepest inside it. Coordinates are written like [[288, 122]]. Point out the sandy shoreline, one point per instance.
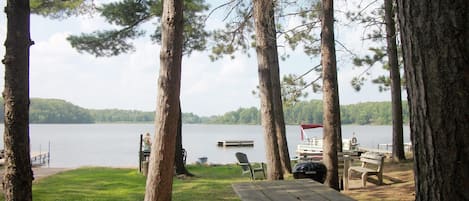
[[40, 172]]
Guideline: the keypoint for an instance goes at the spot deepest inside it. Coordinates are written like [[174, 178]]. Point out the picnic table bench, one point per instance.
[[372, 164], [287, 190]]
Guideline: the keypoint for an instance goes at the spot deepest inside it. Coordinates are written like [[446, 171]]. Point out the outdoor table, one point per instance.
[[287, 190]]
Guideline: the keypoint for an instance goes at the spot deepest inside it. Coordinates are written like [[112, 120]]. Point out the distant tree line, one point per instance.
[[377, 113], [54, 111], [60, 111]]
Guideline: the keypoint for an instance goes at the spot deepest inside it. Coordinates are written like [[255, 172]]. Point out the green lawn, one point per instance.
[[115, 184]]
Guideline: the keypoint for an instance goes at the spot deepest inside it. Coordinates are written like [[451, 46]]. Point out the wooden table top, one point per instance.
[[287, 190]]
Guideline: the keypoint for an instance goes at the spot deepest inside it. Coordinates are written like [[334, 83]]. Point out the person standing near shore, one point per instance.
[[147, 142]]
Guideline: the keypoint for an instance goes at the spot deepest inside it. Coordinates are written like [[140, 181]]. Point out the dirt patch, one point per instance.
[[398, 179], [39, 172]]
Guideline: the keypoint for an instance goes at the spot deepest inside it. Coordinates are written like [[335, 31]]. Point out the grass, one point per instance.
[[97, 184], [119, 184], [211, 183]]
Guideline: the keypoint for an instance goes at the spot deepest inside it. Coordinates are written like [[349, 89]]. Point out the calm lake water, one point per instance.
[[75, 145]]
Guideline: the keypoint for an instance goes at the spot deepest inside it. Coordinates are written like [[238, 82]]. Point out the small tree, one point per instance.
[[395, 77]]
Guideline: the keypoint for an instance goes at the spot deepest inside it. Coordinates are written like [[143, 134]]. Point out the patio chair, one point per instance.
[[247, 167]]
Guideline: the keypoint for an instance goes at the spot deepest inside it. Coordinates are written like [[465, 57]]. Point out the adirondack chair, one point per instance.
[[247, 167]]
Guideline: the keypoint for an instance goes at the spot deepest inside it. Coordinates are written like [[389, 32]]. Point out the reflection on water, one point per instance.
[[73, 145]]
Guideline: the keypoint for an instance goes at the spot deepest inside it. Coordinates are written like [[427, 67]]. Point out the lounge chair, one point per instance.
[[246, 166]]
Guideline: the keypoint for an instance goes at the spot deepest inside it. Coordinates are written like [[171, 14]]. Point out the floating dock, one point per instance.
[[236, 143]]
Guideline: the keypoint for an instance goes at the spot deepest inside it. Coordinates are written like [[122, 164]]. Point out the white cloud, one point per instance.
[[216, 87]]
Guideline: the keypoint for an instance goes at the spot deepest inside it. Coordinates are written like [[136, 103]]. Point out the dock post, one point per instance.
[[140, 154], [48, 155]]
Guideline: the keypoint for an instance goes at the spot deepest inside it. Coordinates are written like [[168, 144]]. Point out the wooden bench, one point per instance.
[[372, 164]]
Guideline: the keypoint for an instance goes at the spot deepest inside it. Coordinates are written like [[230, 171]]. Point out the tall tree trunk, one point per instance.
[[435, 38], [161, 167], [266, 48], [278, 107], [179, 164], [280, 123], [396, 100], [331, 122], [17, 180]]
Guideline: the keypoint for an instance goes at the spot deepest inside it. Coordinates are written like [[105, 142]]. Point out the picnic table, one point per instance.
[[287, 190]]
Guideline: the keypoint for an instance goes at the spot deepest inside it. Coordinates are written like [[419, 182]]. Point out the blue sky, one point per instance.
[[129, 81]]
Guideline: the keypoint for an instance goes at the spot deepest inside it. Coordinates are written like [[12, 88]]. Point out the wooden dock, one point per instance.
[[40, 158], [381, 151], [37, 159], [236, 143], [407, 147], [385, 148]]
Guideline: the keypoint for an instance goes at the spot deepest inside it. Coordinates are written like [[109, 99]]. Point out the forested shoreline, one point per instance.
[[61, 111]]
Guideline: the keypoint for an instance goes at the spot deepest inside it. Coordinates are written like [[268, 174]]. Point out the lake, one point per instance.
[[75, 145]]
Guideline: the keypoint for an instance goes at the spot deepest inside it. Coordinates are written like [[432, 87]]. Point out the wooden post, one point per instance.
[[140, 154], [48, 155], [347, 161]]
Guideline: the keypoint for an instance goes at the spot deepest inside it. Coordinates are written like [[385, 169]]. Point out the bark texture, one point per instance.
[[161, 167], [278, 106], [435, 38], [280, 121], [396, 99], [179, 164], [17, 180], [266, 48], [331, 119]]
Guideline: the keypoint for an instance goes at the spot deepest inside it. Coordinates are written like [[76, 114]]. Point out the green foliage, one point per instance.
[[136, 11], [128, 16], [58, 9], [238, 35], [57, 111], [105, 43], [373, 20], [195, 36], [115, 115], [304, 112], [292, 89], [378, 113], [241, 116], [191, 118], [305, 34]]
